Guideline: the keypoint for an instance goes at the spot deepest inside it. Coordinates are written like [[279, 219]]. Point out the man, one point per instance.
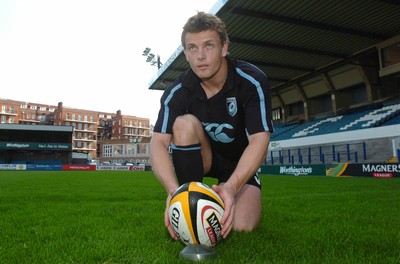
[[217, 119]]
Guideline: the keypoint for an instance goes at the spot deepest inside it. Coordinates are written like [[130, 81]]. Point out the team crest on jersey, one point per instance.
[[231, 105]]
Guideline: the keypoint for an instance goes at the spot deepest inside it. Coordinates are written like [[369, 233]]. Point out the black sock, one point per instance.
[[188, 163]]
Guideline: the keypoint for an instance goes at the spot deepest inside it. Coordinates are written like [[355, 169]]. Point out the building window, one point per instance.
[[118, 149], [141, 148], [3, 119], [130, 149], [107, 151]]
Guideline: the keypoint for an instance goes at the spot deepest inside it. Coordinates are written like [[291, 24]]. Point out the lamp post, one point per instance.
[[154, 60]]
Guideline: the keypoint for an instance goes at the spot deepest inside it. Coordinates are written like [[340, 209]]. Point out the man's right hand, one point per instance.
[[166, 217]]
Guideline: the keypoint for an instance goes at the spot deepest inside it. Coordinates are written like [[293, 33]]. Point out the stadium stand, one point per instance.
[[383, 116], [349, 137], [35, 144], [393, 121]]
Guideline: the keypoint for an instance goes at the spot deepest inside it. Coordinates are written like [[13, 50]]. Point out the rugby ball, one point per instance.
[[195, 213]]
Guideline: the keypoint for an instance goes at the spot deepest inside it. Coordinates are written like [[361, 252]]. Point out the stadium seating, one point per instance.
[[382, 116], [394, 121]]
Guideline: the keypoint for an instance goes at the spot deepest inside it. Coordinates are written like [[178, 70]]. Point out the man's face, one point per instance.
[[204, 53]]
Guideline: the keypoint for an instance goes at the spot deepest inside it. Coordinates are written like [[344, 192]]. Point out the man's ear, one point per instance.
[[225, 49], [184, 52]]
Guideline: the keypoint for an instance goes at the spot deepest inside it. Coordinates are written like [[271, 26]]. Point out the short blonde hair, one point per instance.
[[204, 21]]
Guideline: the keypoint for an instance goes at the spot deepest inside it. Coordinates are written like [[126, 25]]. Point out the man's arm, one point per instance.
[[249, 163], [163, 169], [161, 162]]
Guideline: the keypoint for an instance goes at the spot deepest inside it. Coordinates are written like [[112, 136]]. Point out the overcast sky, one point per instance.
[[88, 53]]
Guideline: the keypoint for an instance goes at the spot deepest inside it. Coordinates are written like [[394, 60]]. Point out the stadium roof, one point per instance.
[[295, 39], [24, 127]]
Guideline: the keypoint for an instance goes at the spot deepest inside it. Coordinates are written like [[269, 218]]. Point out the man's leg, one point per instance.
[[247, 208], [191, 149]]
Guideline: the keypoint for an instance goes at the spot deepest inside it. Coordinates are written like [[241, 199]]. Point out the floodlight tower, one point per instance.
[[151, 58]]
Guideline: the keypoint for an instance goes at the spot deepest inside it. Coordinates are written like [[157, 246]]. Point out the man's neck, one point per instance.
[[215, 84]]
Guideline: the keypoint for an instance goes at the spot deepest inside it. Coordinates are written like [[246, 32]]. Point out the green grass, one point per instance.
[[117, 217]]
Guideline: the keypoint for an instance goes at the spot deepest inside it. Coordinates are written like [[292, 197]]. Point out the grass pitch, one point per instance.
[[117, 217]]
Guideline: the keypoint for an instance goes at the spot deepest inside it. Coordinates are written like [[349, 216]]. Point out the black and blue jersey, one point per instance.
[[241, 108]]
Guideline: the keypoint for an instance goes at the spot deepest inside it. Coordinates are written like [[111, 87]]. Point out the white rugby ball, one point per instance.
[[195, 214]]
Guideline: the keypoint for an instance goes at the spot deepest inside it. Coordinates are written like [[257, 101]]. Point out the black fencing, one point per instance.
[[333, 153]]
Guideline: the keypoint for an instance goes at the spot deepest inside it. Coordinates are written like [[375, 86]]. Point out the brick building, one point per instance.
[[18, 112], [85, 125]]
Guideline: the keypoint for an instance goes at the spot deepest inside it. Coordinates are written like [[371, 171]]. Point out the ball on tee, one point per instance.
[[195, 213]]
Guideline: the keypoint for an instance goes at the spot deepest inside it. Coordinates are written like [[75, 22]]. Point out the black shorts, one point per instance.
[[222, 169]]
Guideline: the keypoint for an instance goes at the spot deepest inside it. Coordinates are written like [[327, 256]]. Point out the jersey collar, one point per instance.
[[191, 81]]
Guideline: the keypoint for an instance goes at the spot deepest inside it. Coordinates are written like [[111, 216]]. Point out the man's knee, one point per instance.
[[186, 123], [185, 129], [247, 209], [247, 225]]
